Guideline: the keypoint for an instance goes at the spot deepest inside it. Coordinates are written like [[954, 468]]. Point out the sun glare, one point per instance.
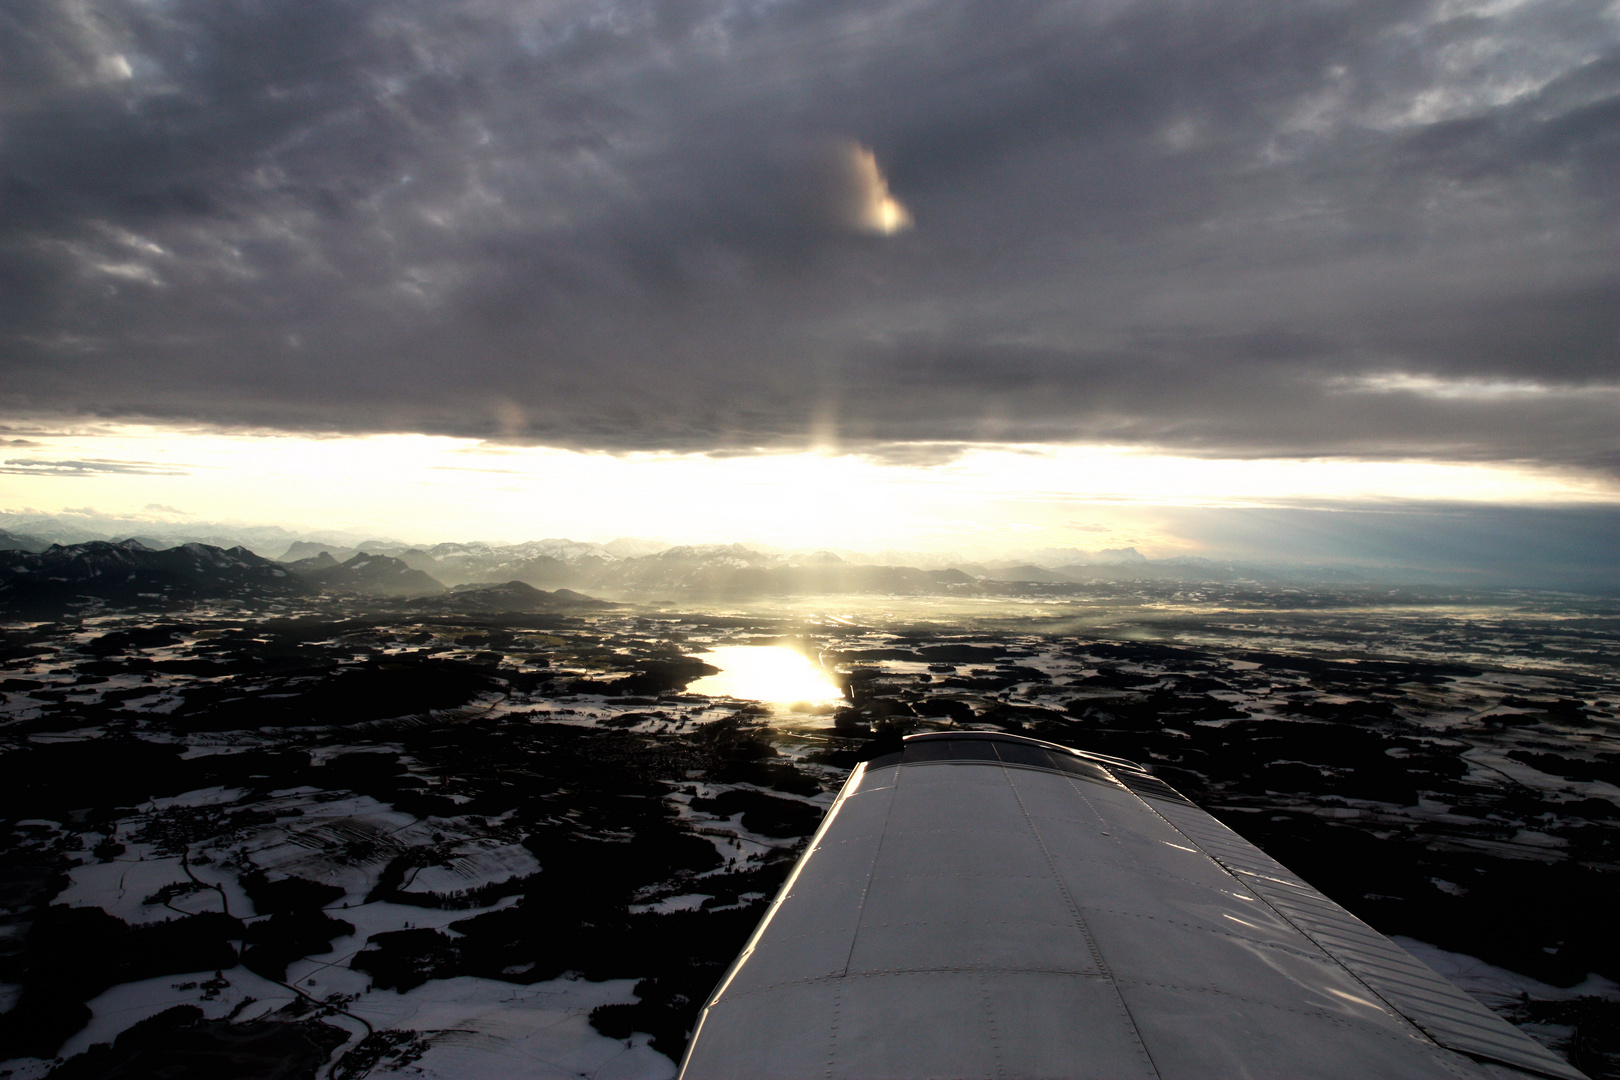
[[769, 673], [876, 210]]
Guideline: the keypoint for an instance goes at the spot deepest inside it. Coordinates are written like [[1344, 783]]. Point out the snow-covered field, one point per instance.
[[527, 847]]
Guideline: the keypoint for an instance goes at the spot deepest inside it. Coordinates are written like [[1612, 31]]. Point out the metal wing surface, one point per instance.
[[983, 905]]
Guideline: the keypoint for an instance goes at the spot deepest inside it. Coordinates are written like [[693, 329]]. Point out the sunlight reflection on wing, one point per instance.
[[766, 673]]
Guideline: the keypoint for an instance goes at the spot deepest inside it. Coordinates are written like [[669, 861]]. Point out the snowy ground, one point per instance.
[[526, 847]]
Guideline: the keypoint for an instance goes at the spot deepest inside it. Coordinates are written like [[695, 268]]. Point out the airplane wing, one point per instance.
[[986, 905]]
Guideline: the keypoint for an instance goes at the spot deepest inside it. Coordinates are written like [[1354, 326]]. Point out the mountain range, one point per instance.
[[103, 575], [740, 570], [635, 566], [130, 574], [539, 575]]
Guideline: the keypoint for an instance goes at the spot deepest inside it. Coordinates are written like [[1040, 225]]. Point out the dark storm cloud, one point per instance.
[[1383, 227]]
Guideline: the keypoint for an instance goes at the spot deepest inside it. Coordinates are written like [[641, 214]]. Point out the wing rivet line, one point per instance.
[[1085, 932]]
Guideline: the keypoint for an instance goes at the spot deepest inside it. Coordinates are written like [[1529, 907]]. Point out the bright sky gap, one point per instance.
[[433, 488]]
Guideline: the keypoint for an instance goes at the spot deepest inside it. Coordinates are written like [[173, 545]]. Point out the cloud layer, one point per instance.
[[1370, 227]]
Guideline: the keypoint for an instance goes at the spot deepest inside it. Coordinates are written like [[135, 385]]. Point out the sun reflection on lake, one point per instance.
[[766, 673]]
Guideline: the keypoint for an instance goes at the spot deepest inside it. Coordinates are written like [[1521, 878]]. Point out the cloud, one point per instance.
[[917, 454], [1223, 228], [87, 467]]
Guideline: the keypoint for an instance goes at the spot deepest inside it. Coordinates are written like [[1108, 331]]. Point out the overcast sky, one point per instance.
[[1375, 229], [1371, 226]]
